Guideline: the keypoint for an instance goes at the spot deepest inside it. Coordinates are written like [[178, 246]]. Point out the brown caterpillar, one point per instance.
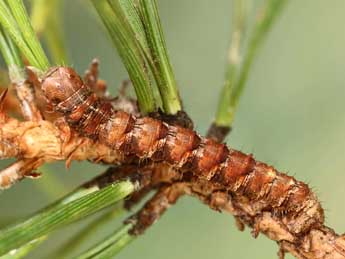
[[237, 173]]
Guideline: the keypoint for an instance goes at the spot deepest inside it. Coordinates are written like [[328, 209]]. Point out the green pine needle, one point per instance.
[[11, 55], [235, 78], [75, 206], [20, 15], [9, 24], [125, 41], [9, 50], [110, 246], [24, 250], [159, 59], [46, 19], [83, 235]]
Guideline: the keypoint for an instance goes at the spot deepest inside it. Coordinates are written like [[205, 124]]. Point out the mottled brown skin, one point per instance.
[[238, 174]]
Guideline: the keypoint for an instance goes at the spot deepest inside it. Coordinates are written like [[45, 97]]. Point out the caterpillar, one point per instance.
[[240, 174]]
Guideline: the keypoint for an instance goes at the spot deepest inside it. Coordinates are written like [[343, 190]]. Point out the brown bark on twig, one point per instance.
[[26, 96], [10, 103], [44, 142], [319, 243]]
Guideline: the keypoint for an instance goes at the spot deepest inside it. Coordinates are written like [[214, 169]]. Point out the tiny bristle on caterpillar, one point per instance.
[[149, 138]]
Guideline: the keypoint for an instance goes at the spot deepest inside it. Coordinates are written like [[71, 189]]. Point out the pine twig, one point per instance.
[[51, 144]]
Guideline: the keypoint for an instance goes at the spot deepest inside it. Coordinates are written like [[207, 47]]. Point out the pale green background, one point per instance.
[[292, 115]]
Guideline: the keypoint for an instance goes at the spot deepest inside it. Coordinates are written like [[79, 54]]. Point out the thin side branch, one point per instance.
[[320, 243], [44, 142], [26, 96]]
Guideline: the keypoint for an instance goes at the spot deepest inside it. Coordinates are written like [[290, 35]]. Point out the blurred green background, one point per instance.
[[292, 115]]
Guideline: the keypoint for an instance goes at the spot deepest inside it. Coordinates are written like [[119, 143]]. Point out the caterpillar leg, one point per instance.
[[156, 206], [17, 171]]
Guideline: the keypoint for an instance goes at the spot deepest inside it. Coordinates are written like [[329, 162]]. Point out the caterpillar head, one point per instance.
[[60, 83]]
